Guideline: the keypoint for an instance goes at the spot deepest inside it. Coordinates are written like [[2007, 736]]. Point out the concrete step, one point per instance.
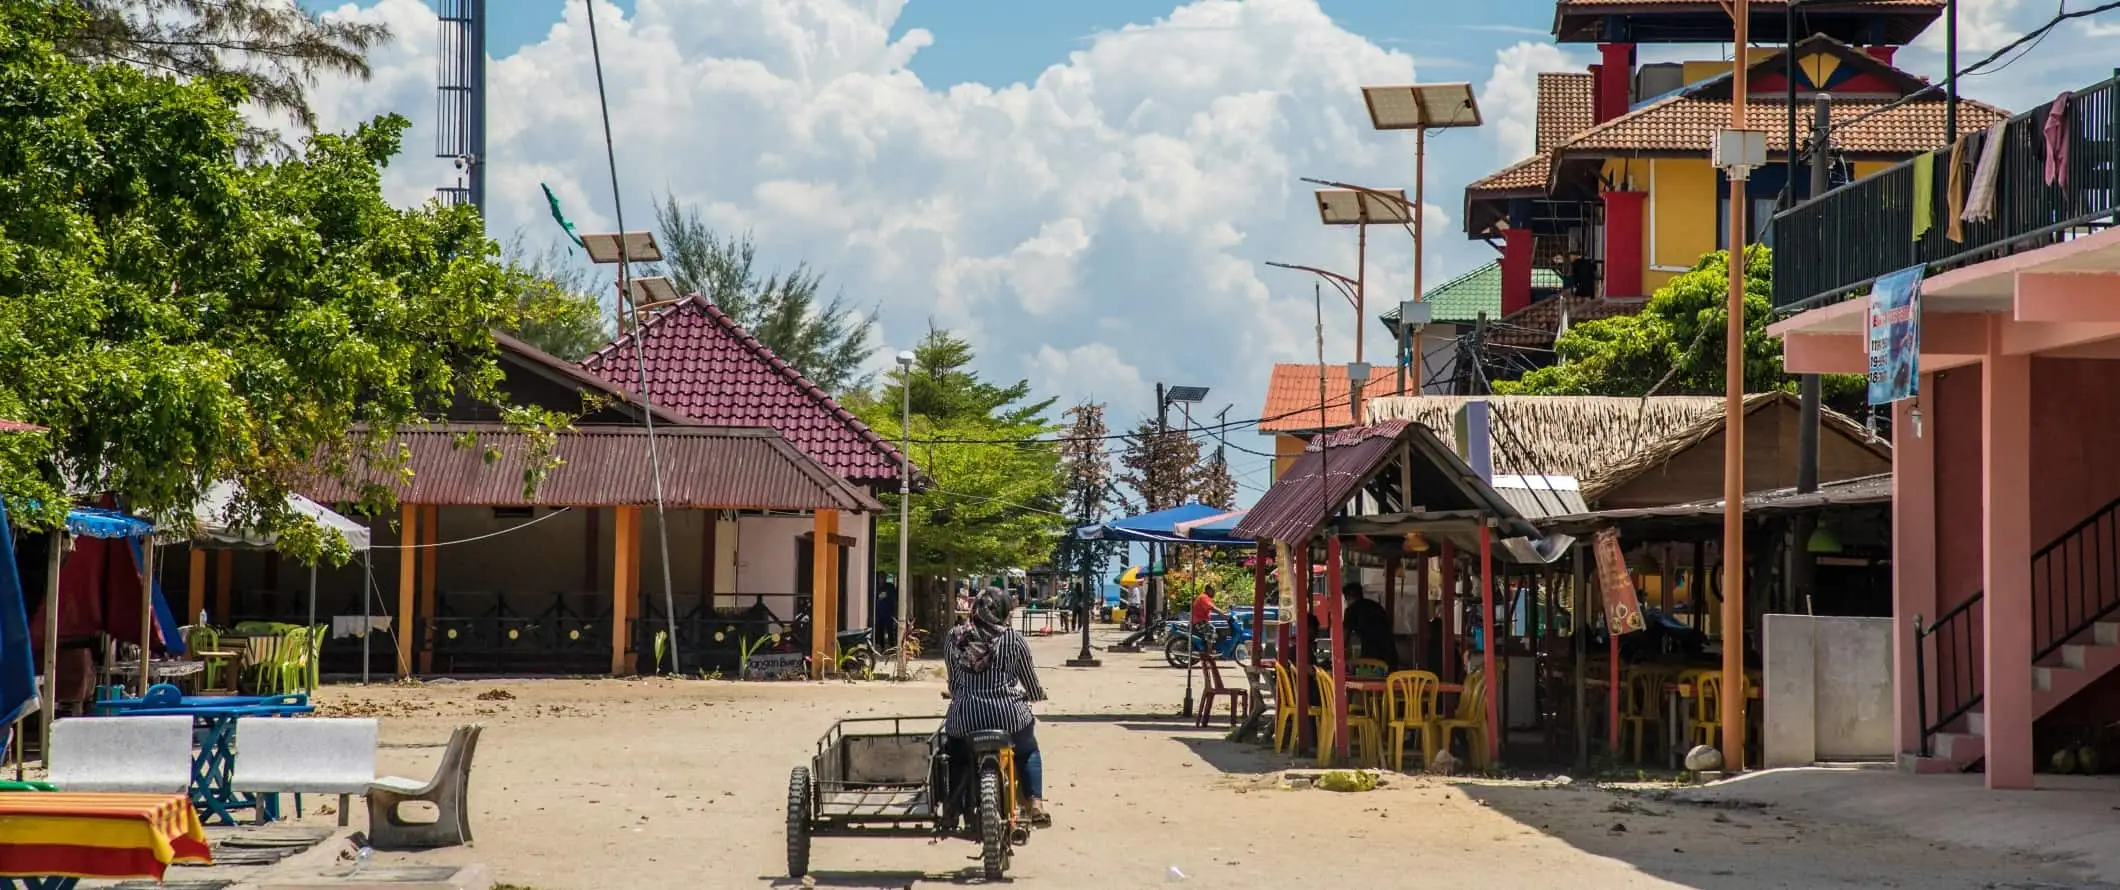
[[1919, 765], [1959, 747]]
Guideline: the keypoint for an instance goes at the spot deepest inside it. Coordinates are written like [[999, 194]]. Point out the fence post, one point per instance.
[[1921, 689]]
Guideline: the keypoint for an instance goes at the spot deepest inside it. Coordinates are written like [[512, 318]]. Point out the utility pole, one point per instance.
[[1733, 551], [1155, 485], [1807, 428]]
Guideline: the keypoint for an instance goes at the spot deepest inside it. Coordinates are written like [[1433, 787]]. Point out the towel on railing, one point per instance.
[[2056, 132], [1980, 203], [1956, 200], [1924, 193]]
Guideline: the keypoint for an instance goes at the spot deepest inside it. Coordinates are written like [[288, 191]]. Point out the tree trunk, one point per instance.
[[932, 612]]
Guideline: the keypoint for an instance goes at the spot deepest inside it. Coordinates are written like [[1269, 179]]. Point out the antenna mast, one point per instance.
[[461, 91]]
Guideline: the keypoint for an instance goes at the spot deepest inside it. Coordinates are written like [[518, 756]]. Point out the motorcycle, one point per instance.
[[1182, 647]]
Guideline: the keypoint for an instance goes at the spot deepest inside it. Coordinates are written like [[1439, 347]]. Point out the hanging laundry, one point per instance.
[[1980, 203], [1954, 198], [2056, 132], [1924, 193]]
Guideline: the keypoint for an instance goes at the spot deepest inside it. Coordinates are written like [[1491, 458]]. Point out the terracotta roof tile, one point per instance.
[[1536, 324], [1837, 7], [1685, 124], [1292, 399], [705, 366], [1564, 106], [1529, 173]]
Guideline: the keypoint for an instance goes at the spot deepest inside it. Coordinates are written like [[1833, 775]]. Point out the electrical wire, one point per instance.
[[439, 544], [2036, 34], [640, 346]]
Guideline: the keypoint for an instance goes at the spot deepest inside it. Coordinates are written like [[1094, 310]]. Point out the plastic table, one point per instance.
[[52, 840]]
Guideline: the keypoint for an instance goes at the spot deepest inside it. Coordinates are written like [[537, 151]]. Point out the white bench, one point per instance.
[[126, 754], [305, 755]]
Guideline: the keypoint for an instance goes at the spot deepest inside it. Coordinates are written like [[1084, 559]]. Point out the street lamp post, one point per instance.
[[1420, 107], [1359, 207], [1737, 151], [905, 505]]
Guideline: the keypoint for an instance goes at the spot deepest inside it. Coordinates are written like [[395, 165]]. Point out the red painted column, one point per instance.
[[1516, 270], [1913, 560], [1301, 677], [1338, 606], [1449, 669], [1625, 243], [1488, 644], [1615, 80], [2005, 483], [1597, 97]]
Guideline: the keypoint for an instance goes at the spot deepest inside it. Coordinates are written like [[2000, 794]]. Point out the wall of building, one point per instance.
[[1682, 196], [1286, 449], [766, 561], [1770, 462]]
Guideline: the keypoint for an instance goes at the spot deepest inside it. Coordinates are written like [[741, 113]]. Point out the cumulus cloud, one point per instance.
[[1095, 229]]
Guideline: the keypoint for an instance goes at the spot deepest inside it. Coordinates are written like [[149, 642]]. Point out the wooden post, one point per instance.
[[147, 612], [1420, 615], [824, 595], [1391, 602], [195, 599], [1488, 644], [625, 581], [1306, 630], [1338, 607], [1258, 602], [1448, 670], [429, 586], [224, 573], [408, 584]]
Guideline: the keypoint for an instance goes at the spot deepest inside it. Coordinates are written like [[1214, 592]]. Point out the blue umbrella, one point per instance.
[[18, 670]]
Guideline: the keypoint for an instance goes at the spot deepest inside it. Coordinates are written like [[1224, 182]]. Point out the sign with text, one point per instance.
[[1895, 336], [1622, 607], [777, 666]]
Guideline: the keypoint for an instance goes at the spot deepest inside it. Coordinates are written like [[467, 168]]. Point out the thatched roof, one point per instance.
[[1632, 466], [1575, 436]]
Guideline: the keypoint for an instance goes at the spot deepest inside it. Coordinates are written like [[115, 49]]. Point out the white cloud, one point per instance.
[[1097, 229], [1983, 26], [1510, 97]]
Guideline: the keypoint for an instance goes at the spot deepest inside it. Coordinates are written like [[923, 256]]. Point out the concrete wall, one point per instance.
[[1828, 694]]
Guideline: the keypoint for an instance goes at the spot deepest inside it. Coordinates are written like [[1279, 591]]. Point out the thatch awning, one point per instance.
[[1659, 452], [1556, 435]]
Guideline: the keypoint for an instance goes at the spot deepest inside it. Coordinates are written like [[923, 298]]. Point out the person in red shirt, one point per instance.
[[1204, 613]]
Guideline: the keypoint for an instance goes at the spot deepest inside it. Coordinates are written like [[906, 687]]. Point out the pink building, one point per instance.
[[2006, 510]]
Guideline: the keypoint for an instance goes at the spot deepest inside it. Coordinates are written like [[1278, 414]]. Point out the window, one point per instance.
[[1759, 229]]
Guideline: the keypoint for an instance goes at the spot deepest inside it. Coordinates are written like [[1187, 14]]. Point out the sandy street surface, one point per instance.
[[591, 784]]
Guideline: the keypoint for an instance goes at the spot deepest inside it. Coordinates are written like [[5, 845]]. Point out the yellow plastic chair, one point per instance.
[[1638, 711], [1470, 719], [1707, 708], [1410, 706], [1284, 710], [1366, 738]]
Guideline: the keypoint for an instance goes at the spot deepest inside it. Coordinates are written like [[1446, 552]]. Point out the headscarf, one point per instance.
[[974, 640]]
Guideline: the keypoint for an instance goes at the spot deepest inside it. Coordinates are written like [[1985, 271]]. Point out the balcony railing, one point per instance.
[[1837, 244]]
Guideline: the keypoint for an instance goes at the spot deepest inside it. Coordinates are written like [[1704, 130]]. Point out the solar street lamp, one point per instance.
[[1421, 107], [1343, 205]]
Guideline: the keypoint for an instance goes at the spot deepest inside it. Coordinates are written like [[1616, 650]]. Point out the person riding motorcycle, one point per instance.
[[992, 684]]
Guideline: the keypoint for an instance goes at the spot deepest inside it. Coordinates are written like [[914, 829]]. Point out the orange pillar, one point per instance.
[[195, 599], [824, 594], [224, 572], [408, 584], [625, 584], [430, 587]]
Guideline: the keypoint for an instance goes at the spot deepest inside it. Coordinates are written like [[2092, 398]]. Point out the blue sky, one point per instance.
[[1088, 190]]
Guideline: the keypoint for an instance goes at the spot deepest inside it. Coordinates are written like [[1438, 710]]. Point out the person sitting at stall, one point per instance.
[[1368, 623], [1204, 615], [992, 684]]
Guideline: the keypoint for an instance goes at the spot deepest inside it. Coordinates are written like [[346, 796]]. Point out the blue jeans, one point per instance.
[[1030, 767]]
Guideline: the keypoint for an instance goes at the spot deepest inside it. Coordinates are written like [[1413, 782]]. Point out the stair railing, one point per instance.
[[1954, 637], [2076, 580]]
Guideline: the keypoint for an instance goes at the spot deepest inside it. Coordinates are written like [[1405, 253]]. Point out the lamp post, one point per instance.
[[1737, 151], [905, 505], [1420, 107], [1359, 207], [623, 249], [1413, 317]]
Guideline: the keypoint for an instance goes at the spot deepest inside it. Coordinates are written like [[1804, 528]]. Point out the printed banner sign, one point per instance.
[[1622, 607], [1285, 574], [1895, 336], [777, 666]]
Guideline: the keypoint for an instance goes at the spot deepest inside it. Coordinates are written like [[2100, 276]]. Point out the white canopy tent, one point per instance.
[[216, 529]]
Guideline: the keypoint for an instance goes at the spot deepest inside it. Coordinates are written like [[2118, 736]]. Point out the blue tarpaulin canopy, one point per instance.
[[103, 522], [1160, 527], [18, 674]]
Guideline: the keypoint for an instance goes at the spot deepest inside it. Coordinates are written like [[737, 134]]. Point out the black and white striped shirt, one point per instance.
[[996, 698]]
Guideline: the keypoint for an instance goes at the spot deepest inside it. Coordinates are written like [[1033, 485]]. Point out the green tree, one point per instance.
[[1676, 344], [1212, 483], [273, 48], [1160, 467], [556, 307], [996, 489], [176, 317], [828, 341], [1086, 467]]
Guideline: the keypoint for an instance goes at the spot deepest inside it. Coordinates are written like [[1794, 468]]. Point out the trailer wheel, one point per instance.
[[800, 792]]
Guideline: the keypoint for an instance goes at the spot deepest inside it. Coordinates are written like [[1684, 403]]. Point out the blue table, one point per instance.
[[214, 727]]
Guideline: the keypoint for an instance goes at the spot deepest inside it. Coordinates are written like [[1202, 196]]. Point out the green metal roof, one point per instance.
[[1462, 299]]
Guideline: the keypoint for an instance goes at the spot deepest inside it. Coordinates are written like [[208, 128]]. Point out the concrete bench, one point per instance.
[[126, 754], [305, 755]]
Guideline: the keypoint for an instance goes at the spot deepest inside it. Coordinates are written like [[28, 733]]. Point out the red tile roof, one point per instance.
[[1538, 324], [1564, 106], [1292, 399], [705, 366], [1686, 125]]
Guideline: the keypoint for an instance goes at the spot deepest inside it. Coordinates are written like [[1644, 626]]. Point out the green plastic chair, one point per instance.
[[206, 639], [294, 660]]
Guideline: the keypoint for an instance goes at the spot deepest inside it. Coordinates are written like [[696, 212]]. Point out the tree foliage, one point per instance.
[[1086, 467], [1213, 484], [273, 49], [827, 341], [1676, 344], [996, 484], [555, 303], [177, 317]]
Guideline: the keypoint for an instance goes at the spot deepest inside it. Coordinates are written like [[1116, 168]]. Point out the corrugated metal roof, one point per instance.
[[1856, 492], [703, 467], [1337, 464], [1541, 496]]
